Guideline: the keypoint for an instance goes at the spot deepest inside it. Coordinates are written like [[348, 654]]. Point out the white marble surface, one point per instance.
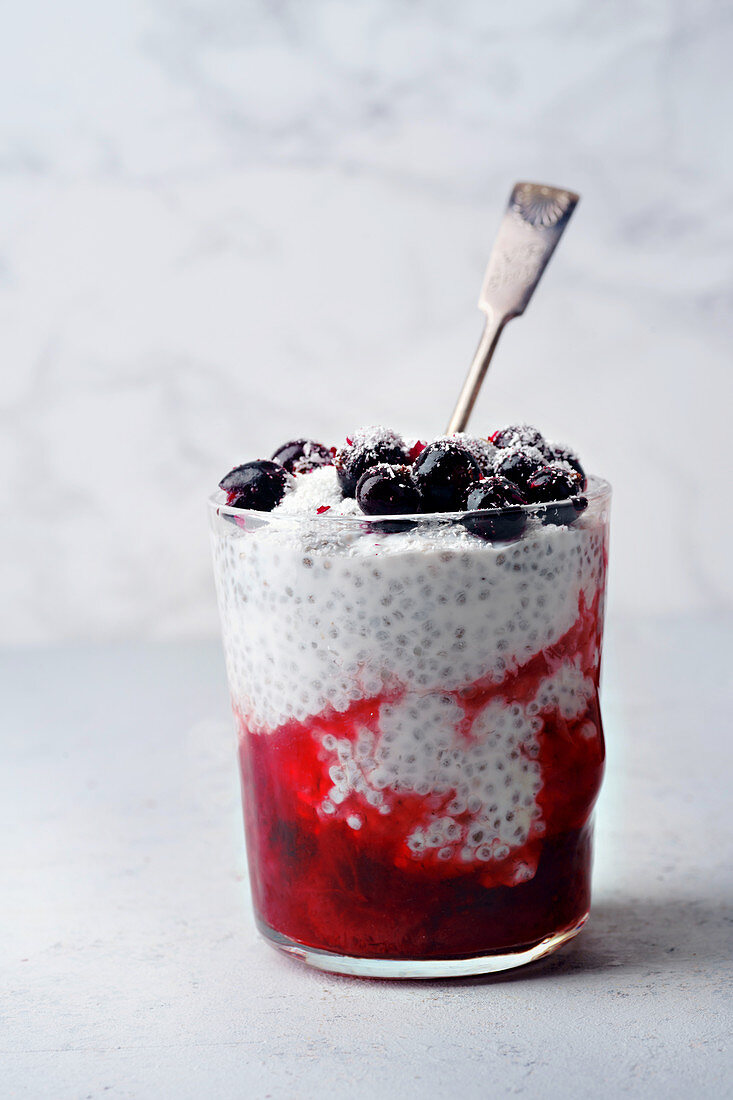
[[130, 964], [224, 224]]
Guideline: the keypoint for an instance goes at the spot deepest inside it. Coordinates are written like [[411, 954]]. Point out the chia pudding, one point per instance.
[[413, 642]]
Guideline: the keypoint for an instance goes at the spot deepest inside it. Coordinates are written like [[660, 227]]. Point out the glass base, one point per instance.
[[418, 968]]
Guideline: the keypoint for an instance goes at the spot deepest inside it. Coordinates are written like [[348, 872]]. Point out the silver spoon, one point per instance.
[[534, 222]]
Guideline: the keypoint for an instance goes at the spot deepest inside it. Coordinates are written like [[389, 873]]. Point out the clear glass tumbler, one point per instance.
[[421, 746]]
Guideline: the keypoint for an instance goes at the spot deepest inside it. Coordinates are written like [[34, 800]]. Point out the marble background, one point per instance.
[[226, 223]]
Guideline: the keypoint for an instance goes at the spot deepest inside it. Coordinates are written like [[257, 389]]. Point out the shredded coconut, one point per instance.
[[316, 490], [370, 436]]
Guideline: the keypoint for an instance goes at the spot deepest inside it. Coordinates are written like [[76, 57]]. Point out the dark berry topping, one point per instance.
[[553, 482], [300, 456], [482, 450], [385, 490], [556, 452], [444, 472], [519, 464], [521, 435], [368, 448], [260, 485], [560, 487], [506, 520], [495, 492]]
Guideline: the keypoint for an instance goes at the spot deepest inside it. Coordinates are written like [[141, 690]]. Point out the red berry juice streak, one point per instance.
[[363, 893]]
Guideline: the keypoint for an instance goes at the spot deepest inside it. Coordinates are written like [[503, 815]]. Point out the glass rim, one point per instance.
[[597, 490]]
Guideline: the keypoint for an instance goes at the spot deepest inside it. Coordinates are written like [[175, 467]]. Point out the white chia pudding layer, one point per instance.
[[322, 610]]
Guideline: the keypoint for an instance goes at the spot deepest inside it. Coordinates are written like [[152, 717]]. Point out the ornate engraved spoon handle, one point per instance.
[[534, 221]]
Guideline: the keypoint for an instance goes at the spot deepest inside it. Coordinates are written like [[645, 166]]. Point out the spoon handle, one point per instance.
[[534, 221]]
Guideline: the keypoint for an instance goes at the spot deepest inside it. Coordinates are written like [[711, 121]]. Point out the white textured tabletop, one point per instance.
[[131, 964]]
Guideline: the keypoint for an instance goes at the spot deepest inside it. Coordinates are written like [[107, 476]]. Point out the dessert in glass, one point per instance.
[[413, 642]]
